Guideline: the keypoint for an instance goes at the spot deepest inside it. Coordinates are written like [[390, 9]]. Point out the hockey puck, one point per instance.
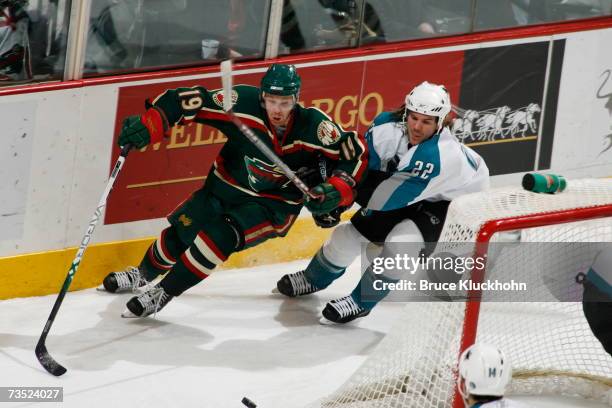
[[247, 402]]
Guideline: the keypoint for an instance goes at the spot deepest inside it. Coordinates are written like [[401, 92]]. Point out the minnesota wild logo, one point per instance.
[[264, 176], [217, 98], [327, 133], [185, 220]]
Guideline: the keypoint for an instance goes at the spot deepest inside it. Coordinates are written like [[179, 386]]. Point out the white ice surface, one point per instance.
[[226, 338]]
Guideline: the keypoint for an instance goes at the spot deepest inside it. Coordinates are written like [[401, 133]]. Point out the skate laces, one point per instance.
[[153, 300], [346, 306], [300, 284], [130, 278]]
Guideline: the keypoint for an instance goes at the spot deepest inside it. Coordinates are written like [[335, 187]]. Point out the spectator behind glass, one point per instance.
[[408, 19], [137, 34], [32, 44], [308, 25], [291, 35], [15, 64], [346, 15]]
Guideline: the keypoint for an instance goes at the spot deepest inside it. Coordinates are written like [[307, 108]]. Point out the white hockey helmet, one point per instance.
[[429, 99], [483, 370]]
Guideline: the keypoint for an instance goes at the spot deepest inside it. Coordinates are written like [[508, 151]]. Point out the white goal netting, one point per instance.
[[548, 342]]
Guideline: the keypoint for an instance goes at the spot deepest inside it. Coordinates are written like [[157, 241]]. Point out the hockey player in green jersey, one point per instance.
[[246, 200]]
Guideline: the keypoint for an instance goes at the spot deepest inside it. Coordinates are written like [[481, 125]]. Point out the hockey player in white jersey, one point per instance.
[[484, 373], [416, 167]]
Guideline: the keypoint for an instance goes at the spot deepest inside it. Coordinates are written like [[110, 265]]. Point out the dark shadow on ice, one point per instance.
[[164, 344]]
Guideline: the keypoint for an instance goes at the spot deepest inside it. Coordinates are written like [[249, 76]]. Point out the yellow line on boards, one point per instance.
[[522, 139], [41, 273], [158, 183]]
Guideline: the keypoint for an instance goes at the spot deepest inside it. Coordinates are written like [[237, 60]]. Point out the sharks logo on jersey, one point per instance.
[[264, 176]]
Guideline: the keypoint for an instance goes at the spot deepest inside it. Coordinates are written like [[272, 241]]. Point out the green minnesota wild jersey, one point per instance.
[[241, 170]]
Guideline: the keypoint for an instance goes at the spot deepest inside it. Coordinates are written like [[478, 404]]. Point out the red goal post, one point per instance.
[[491, 227], [548, 342]]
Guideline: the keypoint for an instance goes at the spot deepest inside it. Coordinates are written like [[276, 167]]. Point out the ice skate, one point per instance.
[[295, 284], [150, 302], [342, 310], [129, 280]]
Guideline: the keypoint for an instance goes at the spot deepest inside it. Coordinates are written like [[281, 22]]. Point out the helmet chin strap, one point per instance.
[[462, 391]]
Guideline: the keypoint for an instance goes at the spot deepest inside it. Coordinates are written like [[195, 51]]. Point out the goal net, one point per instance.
[[549, 343]]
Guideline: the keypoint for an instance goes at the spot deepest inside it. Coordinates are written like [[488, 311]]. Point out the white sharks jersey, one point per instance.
[[437, 169]]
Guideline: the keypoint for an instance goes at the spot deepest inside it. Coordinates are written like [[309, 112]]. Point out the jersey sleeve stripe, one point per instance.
[[362, 161]]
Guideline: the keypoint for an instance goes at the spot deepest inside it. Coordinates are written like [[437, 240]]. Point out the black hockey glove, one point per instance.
[[330, 219], [310, 177]]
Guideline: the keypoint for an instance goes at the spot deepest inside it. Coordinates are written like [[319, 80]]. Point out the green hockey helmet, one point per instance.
[[281, 79]]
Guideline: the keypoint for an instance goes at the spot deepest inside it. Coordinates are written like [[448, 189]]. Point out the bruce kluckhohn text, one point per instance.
[[423, 285], [402, 264]]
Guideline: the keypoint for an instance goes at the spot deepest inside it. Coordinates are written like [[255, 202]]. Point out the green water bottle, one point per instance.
[[544, 183]]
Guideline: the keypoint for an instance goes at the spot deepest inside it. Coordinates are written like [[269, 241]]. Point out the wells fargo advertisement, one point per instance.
[[499, 106]]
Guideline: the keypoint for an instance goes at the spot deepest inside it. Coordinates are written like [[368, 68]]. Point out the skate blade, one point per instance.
[[323, 321], [137, 291], [275, 291], [127, 314]]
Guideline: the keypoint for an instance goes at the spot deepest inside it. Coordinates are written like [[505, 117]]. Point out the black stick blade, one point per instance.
[[48, 362], [247, 402]]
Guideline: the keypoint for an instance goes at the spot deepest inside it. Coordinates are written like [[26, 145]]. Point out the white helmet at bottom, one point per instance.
[[429, 99], [483, 370]]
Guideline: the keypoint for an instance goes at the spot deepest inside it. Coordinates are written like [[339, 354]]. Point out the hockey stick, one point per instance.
[[226, 80], [42, 354]]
